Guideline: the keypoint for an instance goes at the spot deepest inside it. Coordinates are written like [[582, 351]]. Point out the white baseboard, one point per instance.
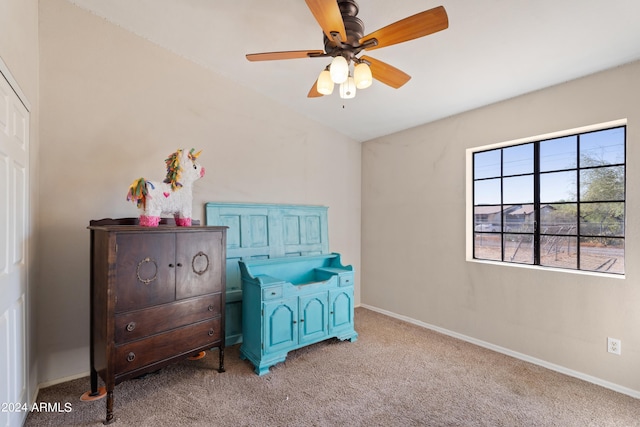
[[64, 380], [570, 372]]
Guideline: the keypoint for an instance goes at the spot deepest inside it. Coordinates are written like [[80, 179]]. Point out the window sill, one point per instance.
[[550, 269]]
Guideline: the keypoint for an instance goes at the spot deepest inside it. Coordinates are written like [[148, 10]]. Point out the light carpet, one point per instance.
[[395, 374]]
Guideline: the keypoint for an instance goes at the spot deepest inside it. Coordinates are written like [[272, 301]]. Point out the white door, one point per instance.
[[14, 214]]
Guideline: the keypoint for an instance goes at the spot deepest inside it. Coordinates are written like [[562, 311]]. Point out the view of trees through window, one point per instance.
[[557, 202]]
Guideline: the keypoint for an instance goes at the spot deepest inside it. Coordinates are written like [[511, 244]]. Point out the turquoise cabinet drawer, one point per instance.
[[346, 280], [272, 292]]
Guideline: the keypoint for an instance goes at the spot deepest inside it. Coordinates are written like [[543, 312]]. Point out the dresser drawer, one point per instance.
[[141, 323], [169, 344]]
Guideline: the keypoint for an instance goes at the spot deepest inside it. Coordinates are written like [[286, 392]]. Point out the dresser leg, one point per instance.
[[94, 382], [109, 418], [221, 368]]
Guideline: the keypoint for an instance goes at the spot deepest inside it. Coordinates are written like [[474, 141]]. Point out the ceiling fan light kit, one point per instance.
[[325, 84], [344, 40], [362, 75], [348, 89], [339, 69]]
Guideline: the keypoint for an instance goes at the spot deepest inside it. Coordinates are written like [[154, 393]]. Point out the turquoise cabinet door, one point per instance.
[[280, 325], [341, 310], [314, 314]]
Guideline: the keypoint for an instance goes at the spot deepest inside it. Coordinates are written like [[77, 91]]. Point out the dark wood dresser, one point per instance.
[[157, 296]]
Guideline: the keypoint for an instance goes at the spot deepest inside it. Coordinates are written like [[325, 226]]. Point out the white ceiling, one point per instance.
[[492, 50]]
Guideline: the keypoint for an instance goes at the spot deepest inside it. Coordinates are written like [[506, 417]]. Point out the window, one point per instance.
[[554, 202]]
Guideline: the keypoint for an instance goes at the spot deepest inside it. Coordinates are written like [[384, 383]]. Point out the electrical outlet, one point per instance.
[[614, 346]]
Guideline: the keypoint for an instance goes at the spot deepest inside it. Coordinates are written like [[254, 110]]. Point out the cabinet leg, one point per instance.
[[109, 418], [221, 368]]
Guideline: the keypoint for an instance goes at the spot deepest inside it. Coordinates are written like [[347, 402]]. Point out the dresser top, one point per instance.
[[132, 225], [159, 229]]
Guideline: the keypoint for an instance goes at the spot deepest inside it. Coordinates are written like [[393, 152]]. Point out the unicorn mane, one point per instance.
[[174, 170]]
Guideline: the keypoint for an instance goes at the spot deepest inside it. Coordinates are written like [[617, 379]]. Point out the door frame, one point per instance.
[[4, 70], [29, 395]]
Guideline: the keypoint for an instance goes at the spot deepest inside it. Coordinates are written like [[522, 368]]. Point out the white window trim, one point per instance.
[[469, 195]]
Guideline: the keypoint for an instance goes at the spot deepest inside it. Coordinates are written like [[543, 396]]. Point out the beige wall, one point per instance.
[[19, 43], [19, 53], [413, 229], [114, 106]]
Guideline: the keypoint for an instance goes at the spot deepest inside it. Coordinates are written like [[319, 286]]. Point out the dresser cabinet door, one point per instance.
[[280, 325], [145, 270], [198, 266]]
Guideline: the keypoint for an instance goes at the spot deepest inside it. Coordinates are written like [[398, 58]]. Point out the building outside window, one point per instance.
[[556, 202]]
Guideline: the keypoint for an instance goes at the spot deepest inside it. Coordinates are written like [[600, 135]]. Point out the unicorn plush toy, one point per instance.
[[171, 196]]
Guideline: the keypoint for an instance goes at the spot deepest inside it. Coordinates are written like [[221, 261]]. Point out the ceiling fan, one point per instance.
[[344, 40]]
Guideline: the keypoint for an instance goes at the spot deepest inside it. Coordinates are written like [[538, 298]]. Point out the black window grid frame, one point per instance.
[[536, 232]]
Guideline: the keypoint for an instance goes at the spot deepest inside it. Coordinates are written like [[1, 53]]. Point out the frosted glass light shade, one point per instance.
[[339, 69], [362, 76], [348, 89], [325, 84]]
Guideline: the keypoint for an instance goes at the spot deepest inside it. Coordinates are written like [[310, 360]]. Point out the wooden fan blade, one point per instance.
[[328, 15], [386, 73], [313, 92], [291, 54], [413, 27]]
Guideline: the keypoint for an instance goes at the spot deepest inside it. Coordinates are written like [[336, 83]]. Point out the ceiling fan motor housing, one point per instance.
[[354, 28]]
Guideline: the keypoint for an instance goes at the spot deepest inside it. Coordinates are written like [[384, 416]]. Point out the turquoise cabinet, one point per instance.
[[289, 303]]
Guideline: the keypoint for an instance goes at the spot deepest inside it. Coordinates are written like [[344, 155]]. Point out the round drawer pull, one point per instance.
[[131, 326], [273, 293], [211, 332], [210, 308], [131, 356]]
